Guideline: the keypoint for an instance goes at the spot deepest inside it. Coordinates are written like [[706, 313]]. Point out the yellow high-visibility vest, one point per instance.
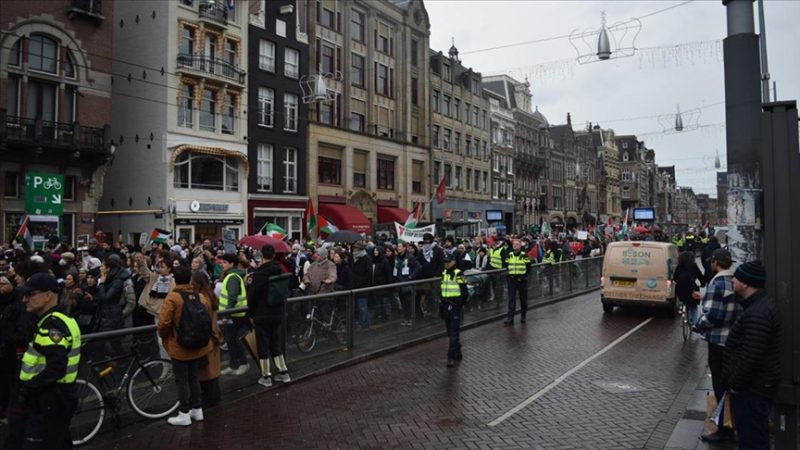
[[241, 300], [496, 258], [549, 257], [517, 264], [33, 362], [451, 284]]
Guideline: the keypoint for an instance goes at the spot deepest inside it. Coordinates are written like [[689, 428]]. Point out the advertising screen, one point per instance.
[[644, 214], [494, 215]]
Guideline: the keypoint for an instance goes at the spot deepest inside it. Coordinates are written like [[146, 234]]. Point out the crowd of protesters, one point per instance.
[[109, 286]]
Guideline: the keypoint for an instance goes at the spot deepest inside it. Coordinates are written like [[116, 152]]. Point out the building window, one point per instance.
[[328, 18], [436, 131], [201, 171], [485, 151], [383, 44], [485, 182], [414, 91], [12, 96], [448, 173], [266, 99], [208, 111], [357, 72], [357, 26], [446, 139], [359, 169], [292, 63], [446, 105], [386, 173], [469, 179], [330, 170], [69, 104], [477, 180], [357, 122], [417, 176], [437, 172], [457, 143], [42, 54], [327, 111], [231, 49], [11, 185], [266, 56], [496, 166], [264, 167], [383, 80], [414, 52], [468, 146], [446, 76], [435, 101], [475, 118], [476, 86], [14, 56], [290, 102], [328, 55], [229, 115], [458, 178], [509, 191], [457, 109], [495, 190], [69, 69], [69, 188], [41, 100], [290, 170]]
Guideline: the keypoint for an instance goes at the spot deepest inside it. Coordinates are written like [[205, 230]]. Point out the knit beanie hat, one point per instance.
[[752, 274], [322, 252]]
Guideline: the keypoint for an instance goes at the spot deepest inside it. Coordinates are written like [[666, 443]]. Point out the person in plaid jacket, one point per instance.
[[720, 310]]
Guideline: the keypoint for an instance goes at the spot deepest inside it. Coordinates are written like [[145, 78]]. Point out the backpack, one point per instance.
[[194, 330], [278, 290], [128, 301]]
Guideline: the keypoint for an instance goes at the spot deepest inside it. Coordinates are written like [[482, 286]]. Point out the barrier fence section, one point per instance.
[[323, 330]]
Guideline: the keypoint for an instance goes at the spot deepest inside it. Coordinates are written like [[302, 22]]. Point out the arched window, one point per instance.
[[70, 67], [201, 171], [14, 57], [43, 54]]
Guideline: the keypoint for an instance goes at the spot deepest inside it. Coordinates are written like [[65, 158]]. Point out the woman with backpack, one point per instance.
[[184, 325]]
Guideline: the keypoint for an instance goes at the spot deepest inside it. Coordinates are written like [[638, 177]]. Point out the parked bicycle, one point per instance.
[[686, 322], [147, 384], [334, 326]]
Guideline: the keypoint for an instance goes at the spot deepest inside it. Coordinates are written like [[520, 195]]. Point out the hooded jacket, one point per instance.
[[109, 299]]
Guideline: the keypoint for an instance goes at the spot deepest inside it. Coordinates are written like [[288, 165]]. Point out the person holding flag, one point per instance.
[[24, 236]]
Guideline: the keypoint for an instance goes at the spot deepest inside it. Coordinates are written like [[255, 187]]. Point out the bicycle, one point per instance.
[[149, 387], [306, 340], [686, 321]]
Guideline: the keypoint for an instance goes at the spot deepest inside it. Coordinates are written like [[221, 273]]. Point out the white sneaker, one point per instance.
[[226, 371], [283, 377], [182, 420], [265, 381], [242, 369], [196, 414]]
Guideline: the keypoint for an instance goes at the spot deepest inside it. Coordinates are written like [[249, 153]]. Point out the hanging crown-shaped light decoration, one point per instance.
[[320, 87], [606, 42]]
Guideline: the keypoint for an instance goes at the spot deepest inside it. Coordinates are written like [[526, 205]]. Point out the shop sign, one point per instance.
[[209, 221]]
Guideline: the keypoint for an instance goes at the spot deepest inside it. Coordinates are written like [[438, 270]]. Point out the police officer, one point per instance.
[[454, 292], [46, 398], [496, 256], [517, 265], [234, 295]]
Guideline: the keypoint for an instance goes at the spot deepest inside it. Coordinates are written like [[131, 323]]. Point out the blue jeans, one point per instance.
[[234, 332], [363, 311], [751, 416]]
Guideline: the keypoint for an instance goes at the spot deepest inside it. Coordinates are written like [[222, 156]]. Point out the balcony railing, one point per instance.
[[40, 132], [212, 66], [89, 8], [214, 10]]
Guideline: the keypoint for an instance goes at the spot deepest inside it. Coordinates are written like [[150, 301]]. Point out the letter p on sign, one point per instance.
[[37, 181]]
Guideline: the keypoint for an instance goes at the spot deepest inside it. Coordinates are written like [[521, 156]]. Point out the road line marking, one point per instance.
[[564, 376]]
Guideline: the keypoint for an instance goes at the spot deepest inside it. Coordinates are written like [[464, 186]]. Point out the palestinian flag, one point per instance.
[[326, 226], [312, 227], [275, 231], [24, 235], [159, 236], [413, 218]]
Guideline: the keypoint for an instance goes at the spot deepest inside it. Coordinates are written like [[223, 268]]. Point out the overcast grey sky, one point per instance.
[[650, 83]]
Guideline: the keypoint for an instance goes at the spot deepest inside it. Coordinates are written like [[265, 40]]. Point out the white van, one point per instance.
[[639, 273]]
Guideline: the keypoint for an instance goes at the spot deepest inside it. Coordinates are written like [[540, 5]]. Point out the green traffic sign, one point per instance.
[[44, 193]]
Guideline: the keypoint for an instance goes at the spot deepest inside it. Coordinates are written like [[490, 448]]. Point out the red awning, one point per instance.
[[346, 217], [388, 214]]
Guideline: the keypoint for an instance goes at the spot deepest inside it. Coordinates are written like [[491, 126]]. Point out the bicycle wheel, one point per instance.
[[151, 390], [686, 327], [307, 339], [340, 331], [89, 414]]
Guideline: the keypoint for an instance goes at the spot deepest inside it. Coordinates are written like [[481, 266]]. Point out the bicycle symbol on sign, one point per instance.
[[52, 183]]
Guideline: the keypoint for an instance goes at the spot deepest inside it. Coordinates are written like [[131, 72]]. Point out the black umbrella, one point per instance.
[[345, 236]]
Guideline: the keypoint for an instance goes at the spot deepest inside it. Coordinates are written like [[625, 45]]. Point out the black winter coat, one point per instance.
[[257, 295], [434, 267], [381, 271], [751, 360], [109, 300], [362, 269], [685, 284]]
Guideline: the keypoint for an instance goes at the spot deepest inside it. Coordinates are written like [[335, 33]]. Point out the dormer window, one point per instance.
[[625, 156]]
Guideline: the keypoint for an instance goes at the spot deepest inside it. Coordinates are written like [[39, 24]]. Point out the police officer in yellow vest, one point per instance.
[[234, 295], [496, 256], [454, 292], [45, 397], [517, 265]]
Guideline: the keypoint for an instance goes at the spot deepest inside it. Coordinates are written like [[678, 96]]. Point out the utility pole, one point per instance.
[[743, 131]]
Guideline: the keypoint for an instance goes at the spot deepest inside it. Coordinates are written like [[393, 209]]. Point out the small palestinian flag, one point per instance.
[[413, 218], [274, 231], [159, 236], [24, 236], [326, 226]]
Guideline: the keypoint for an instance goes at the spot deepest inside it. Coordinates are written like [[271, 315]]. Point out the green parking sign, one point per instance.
[[44, 193]]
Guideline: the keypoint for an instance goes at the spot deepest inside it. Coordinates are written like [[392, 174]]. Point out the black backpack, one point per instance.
[[278, 290], [195, 327]]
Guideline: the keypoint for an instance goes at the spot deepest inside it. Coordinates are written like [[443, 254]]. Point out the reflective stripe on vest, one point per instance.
[[241, 300], [517, 264], [549, 257], [496, 258], [450, 285], [33, 362]]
